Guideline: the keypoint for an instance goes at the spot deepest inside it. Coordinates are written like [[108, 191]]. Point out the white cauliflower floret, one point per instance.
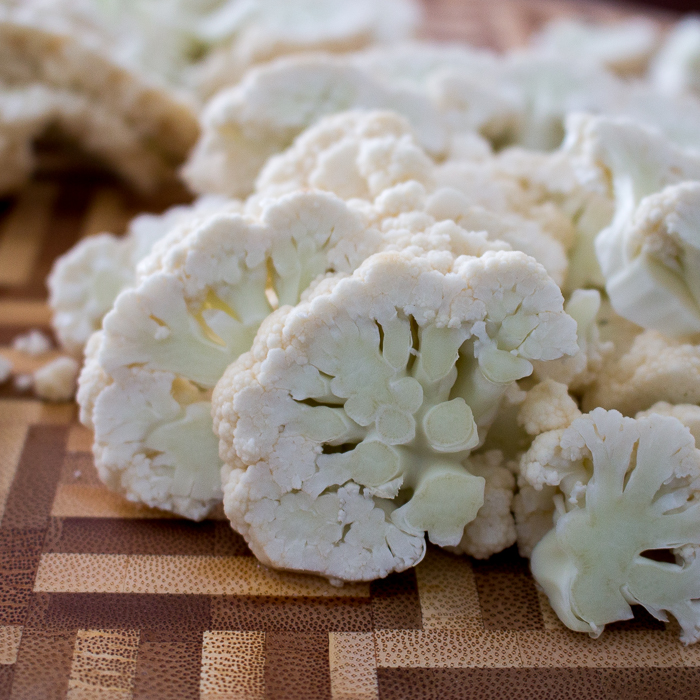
[[655, 368], [688, 414], [262, 30], [346, 428], [244, 125], [623, 47], [547, 406], [197, 306], [32, 343], [354, 154], [57, 380], [648, 253], [493, 529], [5, 369], [676, 67], [625, 487], [53, 73], [581, 370], [85, 281]]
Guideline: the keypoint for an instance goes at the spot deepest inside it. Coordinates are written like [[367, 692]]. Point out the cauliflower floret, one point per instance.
[[547, 406], [85, 281], [655, 368], [688, 414], [580, 371], [32, 343], [56, 380], [53, 73], [623, 47], [244, 125], [676, 67], [624, 487], [197, 306], [5, 369], [493, 529], [346, 427]]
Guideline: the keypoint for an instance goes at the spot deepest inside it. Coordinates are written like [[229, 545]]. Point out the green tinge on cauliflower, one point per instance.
[[146, 385], [626, 486], [85, 281], [244, 125], [346, 430]]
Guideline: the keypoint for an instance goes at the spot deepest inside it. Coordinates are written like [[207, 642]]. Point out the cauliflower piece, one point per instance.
[[547, 406], [688, 414], [655, 368], [356, 154], [346, 428], [675, 69], [647, 254], [85, 281], [580, 371], [244, 125], [56, 380], [147, 382], [5, 369], [263, 30], [623, 47], [625, 487], [23, 382], [493, 529], [141, 130], [32, 343]]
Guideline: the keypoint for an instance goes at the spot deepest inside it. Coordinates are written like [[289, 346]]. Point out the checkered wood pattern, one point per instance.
[[102, 599]]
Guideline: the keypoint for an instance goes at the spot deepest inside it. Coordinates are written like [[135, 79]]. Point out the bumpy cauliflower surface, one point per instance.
[[85, 281], [56, 380], [346, 428], [625, 487], [203, 293]]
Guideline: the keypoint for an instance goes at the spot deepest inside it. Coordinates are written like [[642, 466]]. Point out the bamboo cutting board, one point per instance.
[[104, 600]]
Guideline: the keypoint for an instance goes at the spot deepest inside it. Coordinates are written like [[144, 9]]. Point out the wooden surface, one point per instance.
[[102, 599]]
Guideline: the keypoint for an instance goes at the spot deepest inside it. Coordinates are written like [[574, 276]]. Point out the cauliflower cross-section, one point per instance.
[[347, 428], [633, 486]]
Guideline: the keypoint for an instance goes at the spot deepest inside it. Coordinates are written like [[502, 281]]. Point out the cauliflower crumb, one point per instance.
[[57, 380], [33, 343], [23, 382]]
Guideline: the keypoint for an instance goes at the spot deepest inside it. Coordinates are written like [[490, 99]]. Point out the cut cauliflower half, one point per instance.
[[54, 74], [655, 368], [244, 125], [648, 252], [169, 338], [626, 487], [347, 428], [688, 414], [85, 281]]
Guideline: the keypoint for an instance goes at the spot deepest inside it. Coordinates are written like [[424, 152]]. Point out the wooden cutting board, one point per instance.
[[103, 599]]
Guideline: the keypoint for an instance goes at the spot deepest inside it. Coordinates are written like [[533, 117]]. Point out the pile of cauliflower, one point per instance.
[[426, 293]]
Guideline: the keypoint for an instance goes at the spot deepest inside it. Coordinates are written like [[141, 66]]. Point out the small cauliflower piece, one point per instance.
[[57, 380], [244, 125], [85, 281], [625, 487], [581, 370], [547, 406], [675, 69], [655, 368], [5, 369], [493, 529], [648, 253], [202, 294], [347, 428], [623, 47], [32, 343]]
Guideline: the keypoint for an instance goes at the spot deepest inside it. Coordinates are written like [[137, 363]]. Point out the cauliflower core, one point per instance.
[[204, 290], [625, 487], [347, 428]]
